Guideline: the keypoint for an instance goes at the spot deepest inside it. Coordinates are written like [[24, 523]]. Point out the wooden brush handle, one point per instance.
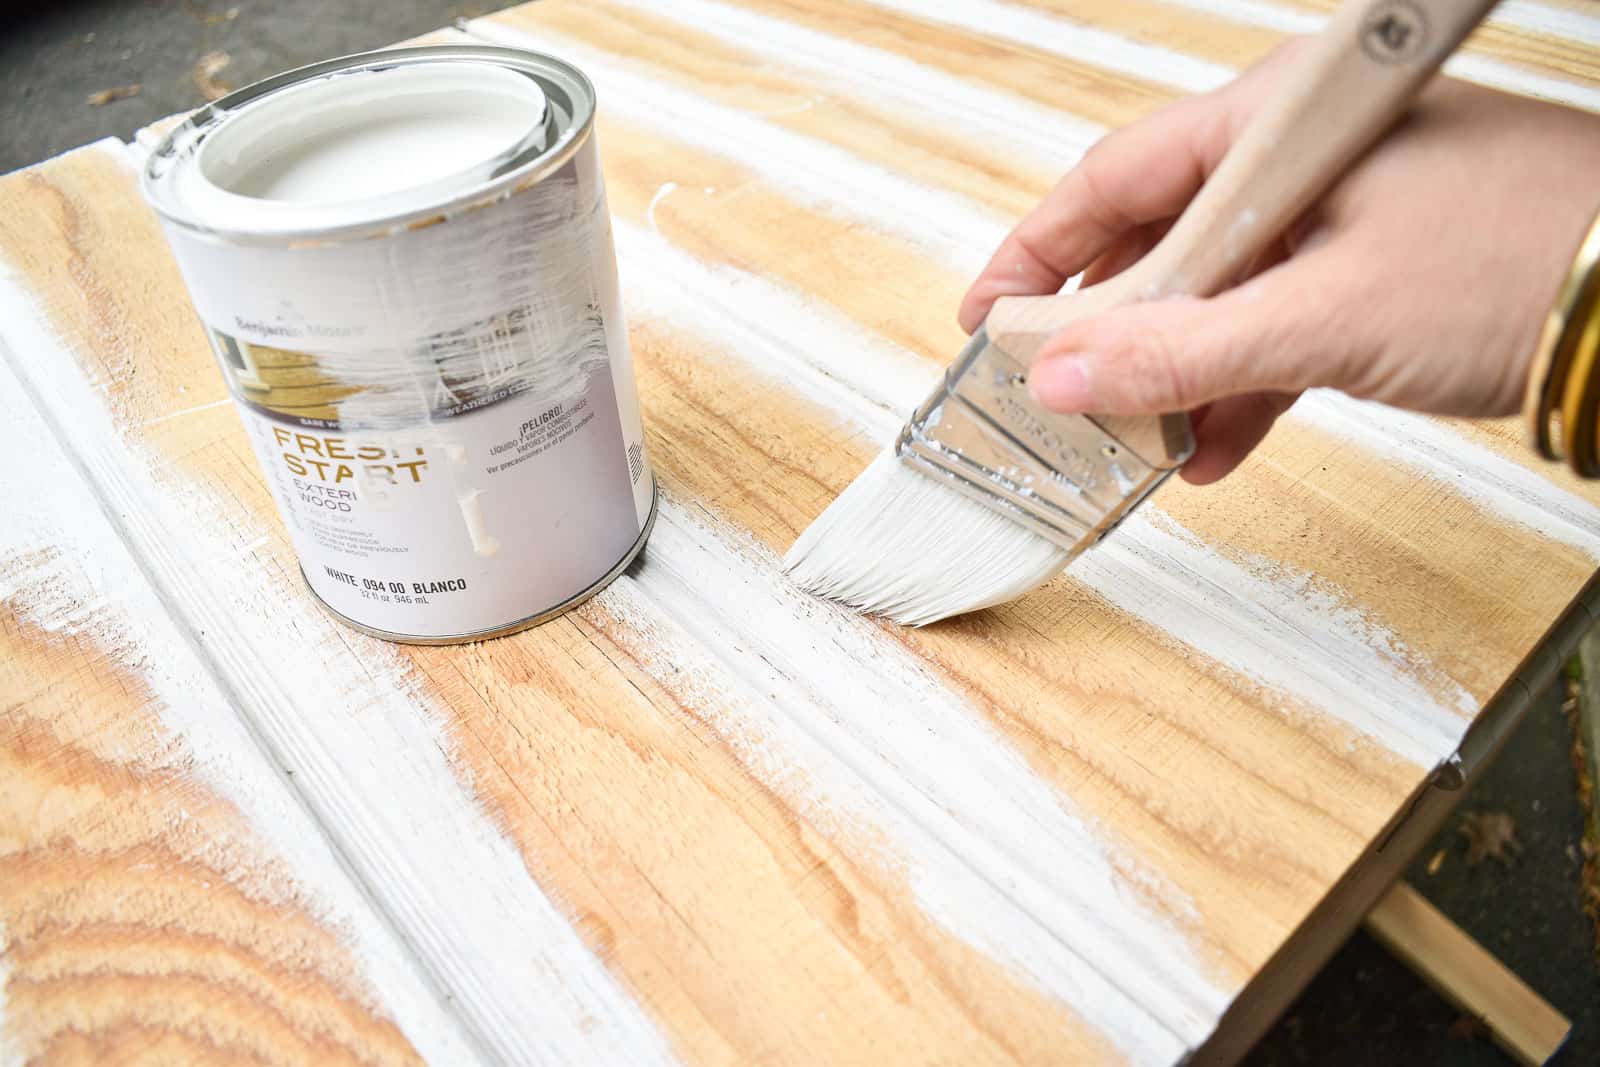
[[1354, 80]]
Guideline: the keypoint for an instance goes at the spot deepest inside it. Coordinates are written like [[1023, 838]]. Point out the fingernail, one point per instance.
[[1062, 384]]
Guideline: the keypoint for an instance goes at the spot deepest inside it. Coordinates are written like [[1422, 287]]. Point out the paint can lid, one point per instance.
[[358, 145]]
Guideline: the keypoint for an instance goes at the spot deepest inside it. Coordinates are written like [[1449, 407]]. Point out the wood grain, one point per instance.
[[142, 916], [704, 819], [1463, 971]]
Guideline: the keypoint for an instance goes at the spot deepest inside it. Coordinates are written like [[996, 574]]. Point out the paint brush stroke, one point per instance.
[[824, 386], [856, 71], [774, 325], [11, 1053], [833, 709], [1041, 32], [1562, 506], [1435, 450], [64, 570], [377, 776], [1466, 65], [1272, 624], [1566, 23], [1265, 622], [819, 174], [821, 651]]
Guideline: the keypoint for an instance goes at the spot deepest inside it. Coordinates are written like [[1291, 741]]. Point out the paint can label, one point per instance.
[[446, 415]]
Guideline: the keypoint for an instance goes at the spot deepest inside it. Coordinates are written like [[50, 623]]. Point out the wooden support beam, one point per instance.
[[1467, 975]]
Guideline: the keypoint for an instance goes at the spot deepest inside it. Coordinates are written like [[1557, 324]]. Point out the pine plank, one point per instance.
[[706, 819], [1465, 973], [163, 897]]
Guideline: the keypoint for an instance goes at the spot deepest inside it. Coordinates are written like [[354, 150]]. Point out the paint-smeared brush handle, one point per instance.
[[1355, 79]]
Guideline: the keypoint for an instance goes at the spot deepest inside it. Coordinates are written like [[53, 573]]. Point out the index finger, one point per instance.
[[1139, 174]]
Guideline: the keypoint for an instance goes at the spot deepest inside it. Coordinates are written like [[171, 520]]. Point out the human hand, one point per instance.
[[1421, 280]]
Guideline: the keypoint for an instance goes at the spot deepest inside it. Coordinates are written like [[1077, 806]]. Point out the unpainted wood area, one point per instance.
[[704, 819]]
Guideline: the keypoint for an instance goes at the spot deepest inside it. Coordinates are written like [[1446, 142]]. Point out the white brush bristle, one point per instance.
[[899, 544]]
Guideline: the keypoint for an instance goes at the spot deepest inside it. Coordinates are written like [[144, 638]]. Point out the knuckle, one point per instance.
[[1162, 373], [1100, 208]]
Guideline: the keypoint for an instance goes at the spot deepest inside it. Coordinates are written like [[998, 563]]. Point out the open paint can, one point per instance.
[[404, 263]]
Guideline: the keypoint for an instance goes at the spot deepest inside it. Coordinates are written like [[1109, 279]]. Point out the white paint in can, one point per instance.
[[404, 263]]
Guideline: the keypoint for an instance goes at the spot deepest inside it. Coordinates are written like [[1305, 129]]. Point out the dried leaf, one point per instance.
[[1469, 1028], [1491, 834], [1435, 862], [106, 96], [205, 75]]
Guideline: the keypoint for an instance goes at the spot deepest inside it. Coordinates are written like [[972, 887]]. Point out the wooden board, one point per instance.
[[705, 819]]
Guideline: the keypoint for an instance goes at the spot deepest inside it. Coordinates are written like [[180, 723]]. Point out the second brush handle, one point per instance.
[[1354, 80]]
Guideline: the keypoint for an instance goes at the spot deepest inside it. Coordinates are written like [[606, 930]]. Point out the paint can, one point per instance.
[[403, 261]]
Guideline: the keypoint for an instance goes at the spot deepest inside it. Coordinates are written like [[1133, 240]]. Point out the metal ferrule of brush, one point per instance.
[[1064, 477]]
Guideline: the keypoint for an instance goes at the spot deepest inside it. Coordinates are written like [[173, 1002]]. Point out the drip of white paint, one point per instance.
[[483, 543], [1072, 40], [819, 174], [455, 452], [665, 190], [832, 710], [1435, 450], [378, 776], [1476, 68], [857, 71]]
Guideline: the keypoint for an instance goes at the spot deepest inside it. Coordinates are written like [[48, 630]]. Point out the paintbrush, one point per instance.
[[985, 494]]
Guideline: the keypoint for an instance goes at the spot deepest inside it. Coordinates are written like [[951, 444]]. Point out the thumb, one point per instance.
[[1182, 352]]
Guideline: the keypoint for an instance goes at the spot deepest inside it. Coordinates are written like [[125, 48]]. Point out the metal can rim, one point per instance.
[[542, 163]]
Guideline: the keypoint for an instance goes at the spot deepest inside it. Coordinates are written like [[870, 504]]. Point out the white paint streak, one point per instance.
[[368, 755], [1281, 628], [1437, 451], [64, 570], [185, 412], [1514, 79], [1572, 25], [1566, 23], [825, 656], [823, 176], [1267, 623], [1476, 68], [794, 109], [1042, 32], [784, 329], [11, 1052], [1257, 13], [857, 71], [836, 714]]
